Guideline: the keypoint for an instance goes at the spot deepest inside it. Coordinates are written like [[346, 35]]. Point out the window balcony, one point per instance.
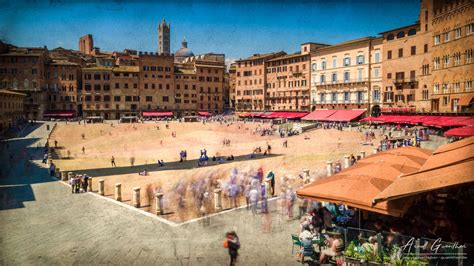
[[402, 81]]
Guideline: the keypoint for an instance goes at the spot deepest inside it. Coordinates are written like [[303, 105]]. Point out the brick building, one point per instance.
[[11, 109], [251, 80], [452, 54], [23, 70]]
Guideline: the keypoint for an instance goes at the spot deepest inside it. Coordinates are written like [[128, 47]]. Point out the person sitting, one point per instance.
[[143, 173], [335, 246], [161, 163], [214, 158], [307, 248]]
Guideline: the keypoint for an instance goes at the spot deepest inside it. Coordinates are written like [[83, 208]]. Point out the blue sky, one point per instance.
[[236, 28]]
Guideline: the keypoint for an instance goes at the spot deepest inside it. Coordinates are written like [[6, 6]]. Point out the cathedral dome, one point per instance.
[[184, 51]]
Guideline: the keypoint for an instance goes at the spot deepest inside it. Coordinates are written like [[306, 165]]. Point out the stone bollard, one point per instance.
[[69, 175], [218, 199], [101, 187], [118, 192], [329, 168], [362, 154], [64, 176], [375, 150], [159, 203], [89, 180], [347, 161], [136, 197]]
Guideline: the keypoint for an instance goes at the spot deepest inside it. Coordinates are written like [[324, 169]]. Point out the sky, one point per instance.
[[236, 28]]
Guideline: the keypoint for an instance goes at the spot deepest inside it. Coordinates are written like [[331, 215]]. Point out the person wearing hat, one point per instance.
[[335, 246]]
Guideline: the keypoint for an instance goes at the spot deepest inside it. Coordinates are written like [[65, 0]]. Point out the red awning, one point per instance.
[[344, 115], [452, 122], [287, 115], [203, 113], [460, 132], [318, 115], [59, 114], [157, 114]]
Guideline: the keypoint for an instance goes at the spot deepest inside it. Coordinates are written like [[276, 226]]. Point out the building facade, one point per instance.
[[164, 46], [340, 75], [287, 83], [232, 79], [251, 81], [23, 70], [11, 109], [452, 56], [62, 85]]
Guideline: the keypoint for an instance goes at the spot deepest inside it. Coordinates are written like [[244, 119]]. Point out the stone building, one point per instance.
[[452, 54], [164, 46], [23, 70], [11, 109], [86, 44], [62, 86], [251, 80], [157, 81], [341, 74]]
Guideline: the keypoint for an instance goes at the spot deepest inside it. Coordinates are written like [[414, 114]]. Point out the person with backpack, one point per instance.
[[232, 243]]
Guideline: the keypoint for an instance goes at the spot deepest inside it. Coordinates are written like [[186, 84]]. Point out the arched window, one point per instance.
[[390, 37], [323, 64], [411, 32], [314, 66], [401, 34], [26, 84]]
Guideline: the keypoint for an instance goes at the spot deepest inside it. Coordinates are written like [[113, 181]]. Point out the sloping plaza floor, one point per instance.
[[41, 222]]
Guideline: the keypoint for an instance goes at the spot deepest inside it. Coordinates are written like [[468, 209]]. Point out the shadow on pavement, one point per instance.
[[17, 175], [176, 165]]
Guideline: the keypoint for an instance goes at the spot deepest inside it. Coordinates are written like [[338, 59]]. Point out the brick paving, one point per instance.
[[43, 223]]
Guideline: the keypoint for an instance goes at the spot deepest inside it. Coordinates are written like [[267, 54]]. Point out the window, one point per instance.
[[468, 86], [376, 72], [334, 97], [149, 98], [166, 99], [445, 100], [412, 75], [116, 98], [457, 86], [87, 87], [437, 39], [334, 62], [457, 33], [445, 61], [106, 98], [436, 88], [413, 50], [425, 95], [96, 76], [97, 87], [128, 98], [425, 48], [470, 29], [376, 95], [322, 97], [389, 54], [469, 56], [334, 78], [446, 36], [347, 76], [457, 59], [360, 96], [359, 74], [401, 34], [377, 56], [322, 79], [346, 96], [390, 37], [347, 61], [411, 32], [314, 66], [106, 87], [436, 63], [323, 65], [400, 52], [360, 59]]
